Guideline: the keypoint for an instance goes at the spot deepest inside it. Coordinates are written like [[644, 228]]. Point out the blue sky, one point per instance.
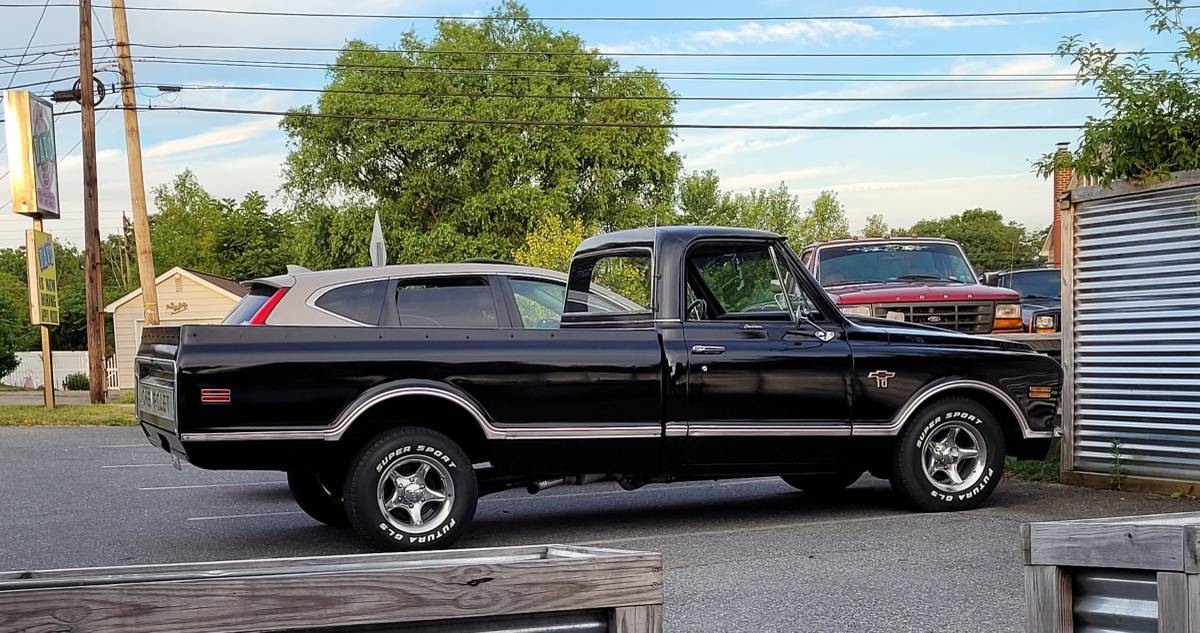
[[905, 176]]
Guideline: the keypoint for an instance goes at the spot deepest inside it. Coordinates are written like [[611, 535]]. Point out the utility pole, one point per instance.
[[137, 185], [93, 273]]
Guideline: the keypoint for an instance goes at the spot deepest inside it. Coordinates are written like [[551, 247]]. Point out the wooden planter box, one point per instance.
[[1117, 574], [472, 590]]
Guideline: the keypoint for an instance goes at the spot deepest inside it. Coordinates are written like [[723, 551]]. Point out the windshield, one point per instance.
[[893, 263], [1038, 284]]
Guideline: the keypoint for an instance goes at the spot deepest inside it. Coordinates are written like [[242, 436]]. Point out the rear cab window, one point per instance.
[[460, 302], [624, 273]]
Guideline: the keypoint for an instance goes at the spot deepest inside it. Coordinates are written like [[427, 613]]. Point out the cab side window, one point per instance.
[[742, 281]]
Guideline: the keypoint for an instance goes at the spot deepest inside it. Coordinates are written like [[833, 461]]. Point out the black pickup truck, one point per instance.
[[736, 364]]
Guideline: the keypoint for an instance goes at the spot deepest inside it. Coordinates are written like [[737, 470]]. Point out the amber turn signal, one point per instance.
[[1041, 393]]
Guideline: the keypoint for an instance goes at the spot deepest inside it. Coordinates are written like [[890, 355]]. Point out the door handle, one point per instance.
[[708, 349]]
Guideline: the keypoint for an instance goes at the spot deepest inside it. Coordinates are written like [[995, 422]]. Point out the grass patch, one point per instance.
[[1032, 469], [66, 415], [128, 398], [12, 388]]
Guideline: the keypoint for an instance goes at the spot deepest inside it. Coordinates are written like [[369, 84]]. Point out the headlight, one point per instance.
[[1044, 323], [1008, 318], [1008, 310], [863, 310]]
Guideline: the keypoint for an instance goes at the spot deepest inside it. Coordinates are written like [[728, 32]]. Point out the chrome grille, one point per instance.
[[972, 317]]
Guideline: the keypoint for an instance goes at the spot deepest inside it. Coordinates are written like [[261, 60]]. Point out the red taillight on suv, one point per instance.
[[260, 317]]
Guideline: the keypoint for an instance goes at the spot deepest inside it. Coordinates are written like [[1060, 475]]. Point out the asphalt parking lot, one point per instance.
[[745, 555]]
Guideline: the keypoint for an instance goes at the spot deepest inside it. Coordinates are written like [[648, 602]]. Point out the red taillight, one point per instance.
[[260, 317]]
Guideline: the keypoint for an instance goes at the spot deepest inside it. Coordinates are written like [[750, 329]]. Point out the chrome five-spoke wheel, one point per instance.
[[415, 493], [954, 456]]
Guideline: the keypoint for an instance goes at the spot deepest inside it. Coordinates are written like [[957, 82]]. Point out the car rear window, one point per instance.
[[249, 305], [357, 302], [446, 302]]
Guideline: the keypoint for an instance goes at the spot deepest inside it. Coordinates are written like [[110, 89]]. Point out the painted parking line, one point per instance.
[[225, 485], [138, 445], [156, 465], [245, 516]]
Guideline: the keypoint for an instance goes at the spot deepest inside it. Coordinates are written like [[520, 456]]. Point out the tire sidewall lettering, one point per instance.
[[965, 416], [436, 532], [409, 449]]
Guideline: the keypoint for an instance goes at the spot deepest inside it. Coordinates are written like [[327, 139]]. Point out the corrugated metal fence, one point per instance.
[[1132, 350], [1115, 600]]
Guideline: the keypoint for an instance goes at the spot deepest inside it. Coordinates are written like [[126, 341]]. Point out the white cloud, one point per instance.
[[225, 135], [809, 31], [930, 22], [772, 178]]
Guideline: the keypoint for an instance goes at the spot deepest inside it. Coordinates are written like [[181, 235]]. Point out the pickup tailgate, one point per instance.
[[155, 371]]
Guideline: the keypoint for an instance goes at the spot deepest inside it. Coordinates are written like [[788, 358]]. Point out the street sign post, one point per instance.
[[33, 165]]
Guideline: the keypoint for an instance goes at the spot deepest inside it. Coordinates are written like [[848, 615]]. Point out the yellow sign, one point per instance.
[[32, 159], [43, 278]]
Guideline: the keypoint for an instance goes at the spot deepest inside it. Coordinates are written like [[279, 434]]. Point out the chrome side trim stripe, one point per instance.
[[490, 431], [897, 423], [768, 430]]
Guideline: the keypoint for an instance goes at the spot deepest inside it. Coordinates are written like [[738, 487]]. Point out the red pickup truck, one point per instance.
[[920, 280]]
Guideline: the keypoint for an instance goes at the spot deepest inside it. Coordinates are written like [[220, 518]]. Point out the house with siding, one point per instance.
[[184, 297]]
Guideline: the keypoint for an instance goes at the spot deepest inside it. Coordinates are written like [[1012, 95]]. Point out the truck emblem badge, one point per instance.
[[881, 377], [933, 318]]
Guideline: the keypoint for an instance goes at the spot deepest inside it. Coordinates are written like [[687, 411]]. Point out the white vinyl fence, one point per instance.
[[28, 373]]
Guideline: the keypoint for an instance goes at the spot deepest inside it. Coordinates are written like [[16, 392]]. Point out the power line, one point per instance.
[[672, 75], [513, 53], [29, 43], [568, 97], [612, 18], [599, 124]]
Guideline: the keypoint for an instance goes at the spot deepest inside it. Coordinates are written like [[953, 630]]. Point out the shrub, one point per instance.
[[76, 382]]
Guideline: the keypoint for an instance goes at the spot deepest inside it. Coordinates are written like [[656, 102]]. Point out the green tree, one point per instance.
[[552, 242], [826, 219], [989, 242], [876, 226], [8, 335], [252, 241], [185, 228], [1151, 121], [236, 239], [701, 201], [479, 187]]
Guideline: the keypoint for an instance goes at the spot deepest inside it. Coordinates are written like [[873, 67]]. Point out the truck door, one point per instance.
[[768, 373]]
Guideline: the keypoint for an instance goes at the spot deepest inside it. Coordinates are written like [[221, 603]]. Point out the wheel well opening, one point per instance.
[[1008, 421], [431, 412]]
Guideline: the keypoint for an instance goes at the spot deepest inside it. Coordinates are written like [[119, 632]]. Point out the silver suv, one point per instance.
[[468, 295]]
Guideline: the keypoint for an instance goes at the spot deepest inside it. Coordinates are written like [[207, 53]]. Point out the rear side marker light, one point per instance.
[[214, 396]]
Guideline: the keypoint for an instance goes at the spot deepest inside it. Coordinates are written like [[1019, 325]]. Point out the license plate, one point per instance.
[[156, 400]]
